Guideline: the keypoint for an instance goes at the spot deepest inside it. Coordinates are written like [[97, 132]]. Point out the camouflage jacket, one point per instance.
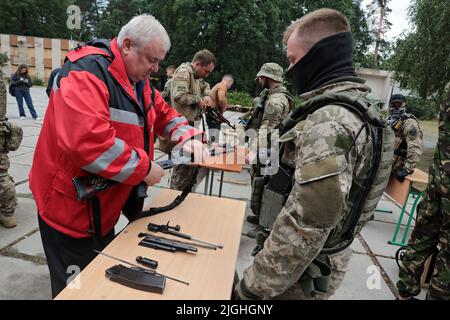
[[442, 154], [318, 202], [186, 92], [2, 97], [276, 108], [166, 92], [408, 143]]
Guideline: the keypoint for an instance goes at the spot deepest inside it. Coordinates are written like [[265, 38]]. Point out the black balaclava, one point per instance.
[[328, 59]]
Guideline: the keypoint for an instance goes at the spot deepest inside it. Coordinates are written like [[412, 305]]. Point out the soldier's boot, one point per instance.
[[253, 219], [254, 232], [8, 222]]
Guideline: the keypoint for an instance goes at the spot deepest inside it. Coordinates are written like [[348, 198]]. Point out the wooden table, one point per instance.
[[399, 193], [209, 272], [230, 162]]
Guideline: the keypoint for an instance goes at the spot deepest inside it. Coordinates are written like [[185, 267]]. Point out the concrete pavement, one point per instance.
[[22, 260]]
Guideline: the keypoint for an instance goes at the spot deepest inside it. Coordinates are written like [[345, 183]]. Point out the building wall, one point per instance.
[[382, 84], [42, 55]]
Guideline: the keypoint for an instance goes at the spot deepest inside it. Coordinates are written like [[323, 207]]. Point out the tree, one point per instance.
[[378, 12], [422, 58], [40, 18]]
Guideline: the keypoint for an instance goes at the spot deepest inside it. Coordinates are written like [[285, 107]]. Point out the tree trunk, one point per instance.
[[378, 36]]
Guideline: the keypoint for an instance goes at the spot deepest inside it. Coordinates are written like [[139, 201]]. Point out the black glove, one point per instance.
[[401, 174]]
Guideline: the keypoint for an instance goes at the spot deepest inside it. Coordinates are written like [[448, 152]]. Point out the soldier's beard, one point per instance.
[[263, 86]]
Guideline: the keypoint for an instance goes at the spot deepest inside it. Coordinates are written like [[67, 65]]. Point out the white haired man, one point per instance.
[[101, 120]]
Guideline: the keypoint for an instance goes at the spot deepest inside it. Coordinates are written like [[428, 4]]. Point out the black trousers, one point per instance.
[[66, 255], [214, 128]]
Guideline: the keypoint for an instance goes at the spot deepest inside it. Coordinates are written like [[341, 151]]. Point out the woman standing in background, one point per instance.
[[21, 82]]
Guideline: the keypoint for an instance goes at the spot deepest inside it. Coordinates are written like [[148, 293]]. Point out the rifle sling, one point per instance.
[[175, 203]]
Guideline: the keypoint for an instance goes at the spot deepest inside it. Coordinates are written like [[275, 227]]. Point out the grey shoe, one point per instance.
[[8, 222]]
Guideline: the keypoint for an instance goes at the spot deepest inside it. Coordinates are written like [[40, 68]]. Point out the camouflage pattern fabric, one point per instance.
[[276, 108], [432, 227], [8, 200], [186, 92], [166, 92], [408, 144], [3, 98], [318, 202], [271, 70]]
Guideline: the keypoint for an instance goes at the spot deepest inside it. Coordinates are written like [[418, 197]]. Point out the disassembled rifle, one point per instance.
[[174, 230], [139, 268]]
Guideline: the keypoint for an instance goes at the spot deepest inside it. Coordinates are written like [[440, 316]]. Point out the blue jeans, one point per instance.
[[20, 94]]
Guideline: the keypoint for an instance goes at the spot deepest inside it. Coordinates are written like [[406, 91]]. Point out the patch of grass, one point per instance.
[[430, 128]]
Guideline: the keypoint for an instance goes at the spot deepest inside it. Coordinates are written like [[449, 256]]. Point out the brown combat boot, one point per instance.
[[8, 222]]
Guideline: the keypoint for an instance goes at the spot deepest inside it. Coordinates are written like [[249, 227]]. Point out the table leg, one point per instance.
[[221, 183], [411, 215], [212, 181], [206, 182], [399, 223]]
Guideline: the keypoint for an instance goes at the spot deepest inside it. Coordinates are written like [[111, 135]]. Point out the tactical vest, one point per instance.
[[363, 198], [259, 105], [400, 145]]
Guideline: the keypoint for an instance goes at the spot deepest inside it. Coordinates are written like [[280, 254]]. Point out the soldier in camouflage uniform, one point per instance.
[[10, 138], [331, 152], [166, 92], [276, 103], [408, 137], [432, 229], [189, 94]]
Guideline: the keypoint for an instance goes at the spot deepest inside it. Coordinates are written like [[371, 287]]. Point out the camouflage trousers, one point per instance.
[[8, 201], [432, 230], [339, 266], [182, 176]]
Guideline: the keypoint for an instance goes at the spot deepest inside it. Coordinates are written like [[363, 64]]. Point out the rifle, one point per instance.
[[143, 234], [87, 186], [165, 244], [174, 230], [216, 116]]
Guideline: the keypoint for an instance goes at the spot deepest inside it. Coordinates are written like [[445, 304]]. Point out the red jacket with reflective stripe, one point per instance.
[[94, 124]]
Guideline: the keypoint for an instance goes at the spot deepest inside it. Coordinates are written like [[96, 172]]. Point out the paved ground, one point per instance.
[[22, 261]]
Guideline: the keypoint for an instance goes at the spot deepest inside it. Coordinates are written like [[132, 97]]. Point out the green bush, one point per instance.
[[37, 81], [421, 108], [3, 59], [241, 98]]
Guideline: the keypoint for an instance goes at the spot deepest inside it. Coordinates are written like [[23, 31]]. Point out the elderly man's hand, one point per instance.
[[155, 174], [197, 148]]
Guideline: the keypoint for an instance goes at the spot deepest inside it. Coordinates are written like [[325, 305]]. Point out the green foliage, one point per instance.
[[243, 34], [422, 60], [3, 58], [37, 81], [41, 18], [421, 108], [240, 98]]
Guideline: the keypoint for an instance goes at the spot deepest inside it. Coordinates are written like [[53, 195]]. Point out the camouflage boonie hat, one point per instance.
[[271, 70]]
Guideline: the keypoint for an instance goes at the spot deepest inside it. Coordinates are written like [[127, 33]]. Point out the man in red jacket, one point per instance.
[[101, 120]]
